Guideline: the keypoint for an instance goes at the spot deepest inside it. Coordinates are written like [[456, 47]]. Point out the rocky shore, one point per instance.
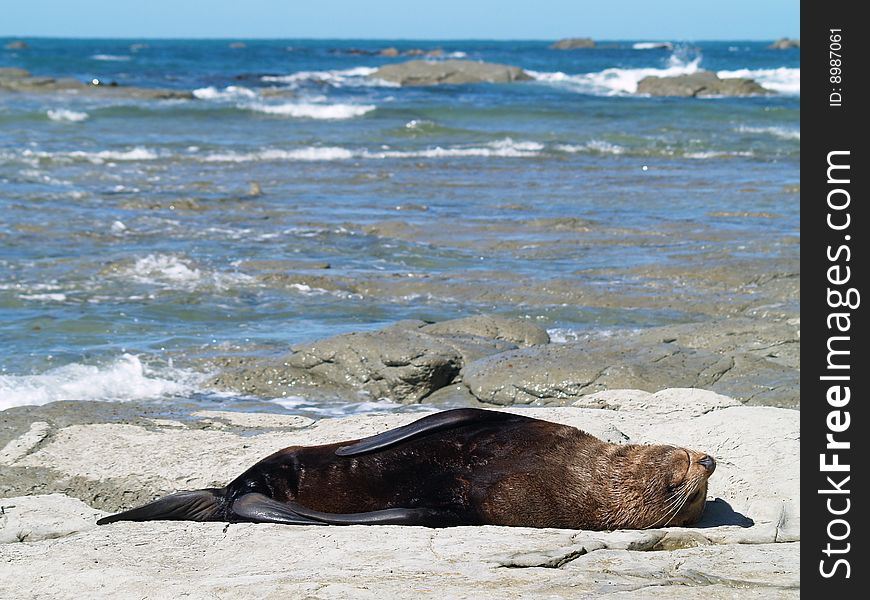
[[509, 361], [57, 480]]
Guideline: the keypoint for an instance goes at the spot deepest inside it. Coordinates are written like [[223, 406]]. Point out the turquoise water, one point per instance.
[[130, 243]]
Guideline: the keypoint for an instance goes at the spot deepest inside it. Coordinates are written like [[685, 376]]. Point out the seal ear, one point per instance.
[[442, 421], [199, 505]]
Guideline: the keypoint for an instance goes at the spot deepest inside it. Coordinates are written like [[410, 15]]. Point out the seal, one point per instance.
[[458, 467]]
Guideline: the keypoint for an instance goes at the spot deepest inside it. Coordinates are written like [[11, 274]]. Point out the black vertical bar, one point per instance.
[[834, 170]]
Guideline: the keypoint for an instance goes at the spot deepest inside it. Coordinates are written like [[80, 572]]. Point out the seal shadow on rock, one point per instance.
[[458, 467]]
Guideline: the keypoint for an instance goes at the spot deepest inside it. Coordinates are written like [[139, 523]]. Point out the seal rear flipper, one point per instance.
[[198, 505], [448, 419], [258, 508]]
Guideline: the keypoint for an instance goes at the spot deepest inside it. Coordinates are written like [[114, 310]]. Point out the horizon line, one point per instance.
[[386, 39]]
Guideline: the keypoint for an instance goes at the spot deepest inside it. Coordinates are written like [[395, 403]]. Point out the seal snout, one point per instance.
[[708, 462]]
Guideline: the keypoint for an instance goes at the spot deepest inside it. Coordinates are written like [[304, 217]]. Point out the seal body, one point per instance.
[[460, 467]]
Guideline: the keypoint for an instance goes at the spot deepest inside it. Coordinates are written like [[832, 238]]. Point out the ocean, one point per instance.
[[296, 197]]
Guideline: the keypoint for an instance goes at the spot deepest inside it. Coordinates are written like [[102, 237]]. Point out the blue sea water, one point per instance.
[[131, 244]]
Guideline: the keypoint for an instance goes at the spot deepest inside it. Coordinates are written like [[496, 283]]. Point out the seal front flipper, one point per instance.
[[448, 419], [258, 508], [198, 505]]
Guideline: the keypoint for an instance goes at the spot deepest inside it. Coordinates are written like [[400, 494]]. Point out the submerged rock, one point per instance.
[[573, 44], [392, 52], [420, 72], [17, 45], [19, 80], [13, 73], [702, 83]]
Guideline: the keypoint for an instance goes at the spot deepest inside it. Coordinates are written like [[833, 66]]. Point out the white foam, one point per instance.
[[63, 114], [564, 335], [717, 154], [98, 158], [311, 153], [784, 133], [507, 148], [783, 80], [653, 46], [163, 268], [595, 146], [53, 297], [306, 405], [172, 272], [614, 81], [124, 379], [354, 77], [311, 110], [111, 57], [232, 92]]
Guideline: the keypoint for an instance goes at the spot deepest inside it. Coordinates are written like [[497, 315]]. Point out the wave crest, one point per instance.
[[124, 379]]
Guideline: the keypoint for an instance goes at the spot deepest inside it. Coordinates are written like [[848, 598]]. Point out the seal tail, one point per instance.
[[198, 505]]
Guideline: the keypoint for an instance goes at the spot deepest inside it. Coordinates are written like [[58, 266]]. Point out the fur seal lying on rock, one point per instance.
[[458, 467]]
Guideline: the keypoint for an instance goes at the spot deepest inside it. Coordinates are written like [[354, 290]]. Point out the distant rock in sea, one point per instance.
[[785, 44], [419, 72], [17, 45], [573, 44], [13, 73], [13, 79], [237, 45], [702, 83], [392, 51]]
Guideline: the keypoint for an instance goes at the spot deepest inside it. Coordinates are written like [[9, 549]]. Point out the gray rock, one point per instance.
[[404, 362], [753, 361], [573, 44], [13, 72], [747, 544], [702, 83], [516, 331], [785, 44], [420, 72], [398, 363], [19, 80], [560, 373]]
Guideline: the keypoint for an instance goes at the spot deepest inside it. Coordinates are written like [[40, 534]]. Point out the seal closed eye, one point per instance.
[[458, 467]]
